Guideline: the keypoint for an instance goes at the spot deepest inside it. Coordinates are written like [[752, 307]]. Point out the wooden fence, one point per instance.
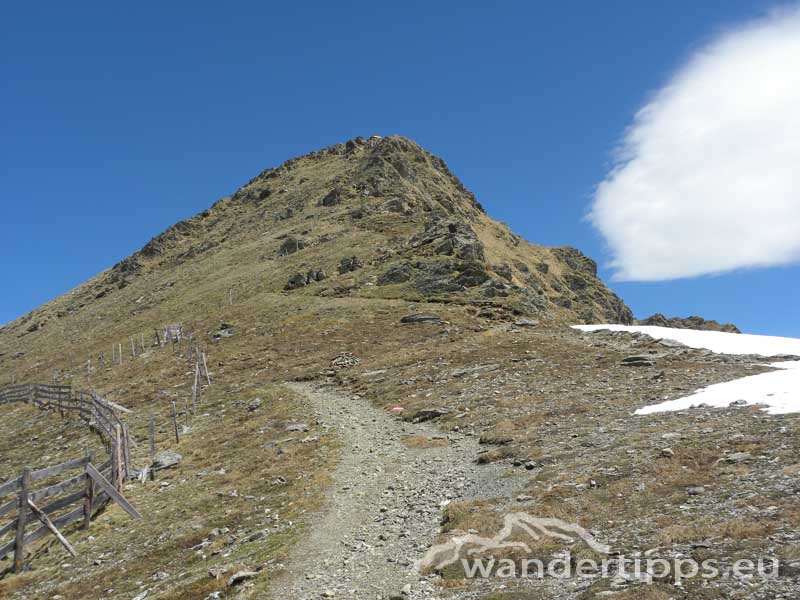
[[77, 498], [98, 413]]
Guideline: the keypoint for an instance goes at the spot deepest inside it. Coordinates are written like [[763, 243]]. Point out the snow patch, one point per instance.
[[717, 341], [778, 391]]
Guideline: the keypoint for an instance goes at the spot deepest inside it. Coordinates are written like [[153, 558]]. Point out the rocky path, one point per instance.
[[385, 504]]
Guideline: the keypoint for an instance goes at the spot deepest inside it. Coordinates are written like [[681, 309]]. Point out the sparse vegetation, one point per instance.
[[555, 407]]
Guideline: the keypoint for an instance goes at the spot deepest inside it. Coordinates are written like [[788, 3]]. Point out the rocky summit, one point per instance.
[[349, 374], [370, 218]]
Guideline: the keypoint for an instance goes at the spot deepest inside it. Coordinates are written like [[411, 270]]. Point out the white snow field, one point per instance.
[[778, 391]]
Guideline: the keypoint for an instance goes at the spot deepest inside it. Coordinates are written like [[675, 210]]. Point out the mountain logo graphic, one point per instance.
[[462, 546]]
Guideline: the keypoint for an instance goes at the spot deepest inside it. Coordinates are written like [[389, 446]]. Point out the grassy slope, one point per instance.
[[551, 399]]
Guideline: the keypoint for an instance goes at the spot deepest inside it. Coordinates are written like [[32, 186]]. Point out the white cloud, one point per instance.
[[708, 175]]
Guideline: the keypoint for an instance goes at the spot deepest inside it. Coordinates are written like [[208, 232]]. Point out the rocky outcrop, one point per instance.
[[688, 323], [396, 274], [349, 264], [299, 280], [450, 238], [291, 245]]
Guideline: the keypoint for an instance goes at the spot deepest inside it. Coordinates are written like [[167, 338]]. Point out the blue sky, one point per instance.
[[118, 121]]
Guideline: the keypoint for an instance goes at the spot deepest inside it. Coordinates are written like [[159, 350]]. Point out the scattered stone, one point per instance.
[[736, 458], [428, 414], [526, 323], [695, 490], [422, 318], [254, 405], [299, 280], [667, 453], [225, 331], [291, 245], [240, 577], [345, 360], [297, 427], [638, 361], [472, 370], [165, 459]]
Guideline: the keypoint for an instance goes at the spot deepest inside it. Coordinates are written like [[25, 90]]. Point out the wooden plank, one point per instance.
[[126, 444], [22, 516], [116, 406], [205, 365], [5, 550], [57, 469], [10, 486], [8, 507], [53, 529], [119, 456], [104, 484], [57, 488], [62, 521], [99, 502], [64, 502], [8, 527]]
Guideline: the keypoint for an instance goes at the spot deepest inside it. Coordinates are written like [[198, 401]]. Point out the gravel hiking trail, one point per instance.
[[385, 503]]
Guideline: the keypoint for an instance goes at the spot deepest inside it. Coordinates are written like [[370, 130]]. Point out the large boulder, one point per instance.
[[299, 280], [166, 458], [291, 245]]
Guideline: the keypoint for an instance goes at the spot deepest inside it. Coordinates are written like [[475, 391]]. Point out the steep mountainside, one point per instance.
[[378, 346], [376, 218]]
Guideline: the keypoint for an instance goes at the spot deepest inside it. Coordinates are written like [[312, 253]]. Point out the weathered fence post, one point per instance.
[[119, 453], [205, 366], [175, 422], [196, 385], [88, 500], [152, 428], [22, 518], [126, 447]]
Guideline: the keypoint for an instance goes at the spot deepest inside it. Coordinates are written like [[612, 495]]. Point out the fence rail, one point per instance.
[[78, 497]]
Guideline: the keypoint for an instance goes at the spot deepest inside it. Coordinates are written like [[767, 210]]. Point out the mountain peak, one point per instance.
[[377, 217]]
